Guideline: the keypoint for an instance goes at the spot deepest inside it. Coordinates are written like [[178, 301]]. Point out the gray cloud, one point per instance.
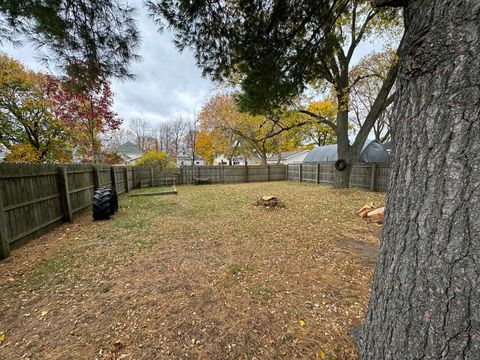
[[168, 82]]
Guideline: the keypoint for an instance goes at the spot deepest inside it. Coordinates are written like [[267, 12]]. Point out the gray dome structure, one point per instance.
[[372, 152]]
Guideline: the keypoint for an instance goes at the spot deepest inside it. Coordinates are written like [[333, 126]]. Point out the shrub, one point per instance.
[[158, 160], [20, 153]]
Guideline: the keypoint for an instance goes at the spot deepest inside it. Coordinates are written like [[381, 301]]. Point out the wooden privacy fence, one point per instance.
[[374, 177], [34, 198], [222, 174]]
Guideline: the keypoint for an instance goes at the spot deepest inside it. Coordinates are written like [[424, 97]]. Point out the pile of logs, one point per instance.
[[372, 213]]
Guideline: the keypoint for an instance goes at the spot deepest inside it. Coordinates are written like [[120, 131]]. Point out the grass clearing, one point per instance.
[[201, 275], [153, 190]]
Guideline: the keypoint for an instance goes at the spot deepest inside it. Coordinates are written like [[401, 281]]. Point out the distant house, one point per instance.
[[288, 157], [3, 154], [372, 152], [184, 159], [129, 152], [237, 160]]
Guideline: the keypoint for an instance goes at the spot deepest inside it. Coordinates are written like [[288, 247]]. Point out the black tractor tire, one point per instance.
[[341, 165], [104, 203]]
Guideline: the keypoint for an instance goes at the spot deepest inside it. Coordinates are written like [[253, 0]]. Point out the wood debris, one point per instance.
[[372, 213], [268, 202]]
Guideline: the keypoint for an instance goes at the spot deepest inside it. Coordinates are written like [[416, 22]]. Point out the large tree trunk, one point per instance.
[[342, 178], [425, 301]]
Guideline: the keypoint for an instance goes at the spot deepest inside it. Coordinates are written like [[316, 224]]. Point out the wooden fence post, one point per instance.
[[4, 245], [268, 172], [222, 172], [125, 174], [372, 177], [113, 178], [133, 177], [64, 193], [152, 179], [300, 172], [246, 172], [317, 179], [96, 179]]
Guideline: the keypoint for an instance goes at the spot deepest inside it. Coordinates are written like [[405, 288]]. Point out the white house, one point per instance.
[[288, 157], [237, 160], [3, 154], [184, 159]]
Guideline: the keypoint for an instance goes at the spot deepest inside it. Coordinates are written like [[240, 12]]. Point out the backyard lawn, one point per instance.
[[199, 275]]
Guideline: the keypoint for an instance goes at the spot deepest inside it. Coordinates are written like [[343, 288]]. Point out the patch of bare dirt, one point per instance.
[[363, 251]]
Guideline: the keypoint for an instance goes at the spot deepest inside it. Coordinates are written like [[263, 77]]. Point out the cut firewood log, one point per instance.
[[366, 209], [268, 198], [376, 215]]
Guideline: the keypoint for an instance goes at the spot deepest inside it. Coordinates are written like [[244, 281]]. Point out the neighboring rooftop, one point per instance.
[[129, 149], [285, 155]]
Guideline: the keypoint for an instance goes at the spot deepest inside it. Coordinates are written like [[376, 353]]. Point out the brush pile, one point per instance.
[[372, 213], [268, 202]]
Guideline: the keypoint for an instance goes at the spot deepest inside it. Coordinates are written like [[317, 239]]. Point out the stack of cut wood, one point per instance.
[[372, 213], [268, 202]]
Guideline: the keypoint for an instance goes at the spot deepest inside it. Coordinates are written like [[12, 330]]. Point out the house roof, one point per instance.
[[285, 155], [129, 149]]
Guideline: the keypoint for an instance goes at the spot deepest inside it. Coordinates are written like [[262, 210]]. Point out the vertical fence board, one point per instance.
[[4, 245], [64, 194]]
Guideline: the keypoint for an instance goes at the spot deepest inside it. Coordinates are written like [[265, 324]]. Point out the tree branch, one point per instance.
[[380, 104], [321, 118], [362, 31]]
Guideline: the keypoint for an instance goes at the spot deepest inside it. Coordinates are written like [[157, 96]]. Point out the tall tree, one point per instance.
[[142, 131], [425, 301], [214, 119], [370, 73], [86, 113], [115, 138], [26, 114], [90, 40], [177, 126], [190, 138], [205, 147], [222, 116], [275, 49], [163, 135]]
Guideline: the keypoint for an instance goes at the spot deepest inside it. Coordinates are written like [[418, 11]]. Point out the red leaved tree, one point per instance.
[[86, 112]]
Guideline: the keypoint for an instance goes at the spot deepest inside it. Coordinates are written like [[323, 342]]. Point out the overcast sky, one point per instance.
[[167, 84]]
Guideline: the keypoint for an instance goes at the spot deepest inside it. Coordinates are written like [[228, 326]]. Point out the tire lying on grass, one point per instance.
[[104, 203]]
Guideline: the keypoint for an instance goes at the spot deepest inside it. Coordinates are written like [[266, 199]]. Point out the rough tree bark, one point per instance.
[[425, 301]]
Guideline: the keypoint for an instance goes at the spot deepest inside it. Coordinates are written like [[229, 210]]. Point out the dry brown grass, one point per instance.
[[201, 275]]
